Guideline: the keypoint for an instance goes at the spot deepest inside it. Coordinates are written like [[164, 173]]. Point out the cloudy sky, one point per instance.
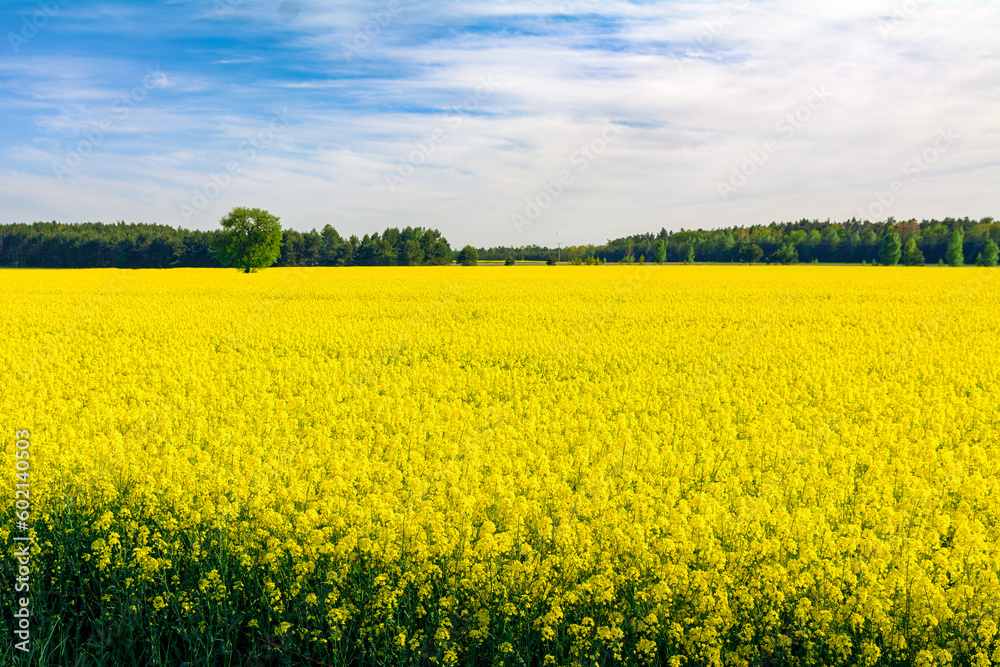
[[503, 122]]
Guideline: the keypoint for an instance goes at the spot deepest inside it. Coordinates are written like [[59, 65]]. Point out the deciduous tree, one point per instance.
[[468, 256], [250, 239], [912, 256]]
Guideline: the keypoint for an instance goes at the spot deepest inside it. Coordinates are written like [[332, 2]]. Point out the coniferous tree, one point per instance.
[[891, 251], [954, 255], [786, 254], [750, 253], [912, 256], [991, 253]]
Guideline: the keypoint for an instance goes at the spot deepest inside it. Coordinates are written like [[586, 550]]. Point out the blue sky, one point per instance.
[[501, 122]]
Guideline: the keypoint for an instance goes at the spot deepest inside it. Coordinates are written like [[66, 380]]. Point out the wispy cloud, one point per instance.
[[697, 87]]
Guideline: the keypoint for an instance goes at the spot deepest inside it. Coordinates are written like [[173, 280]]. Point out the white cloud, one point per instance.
[[696, 88]]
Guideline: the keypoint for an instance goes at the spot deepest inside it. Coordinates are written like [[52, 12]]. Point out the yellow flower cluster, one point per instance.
[[530, 465]]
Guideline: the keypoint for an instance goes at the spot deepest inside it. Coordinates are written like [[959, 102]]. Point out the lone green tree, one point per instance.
[[468, 256], [911, 253], [891, 250], [953, 255], [250, 239], [750, 253]]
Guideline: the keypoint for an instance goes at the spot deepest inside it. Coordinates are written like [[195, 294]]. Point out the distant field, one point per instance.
[[697, 465]]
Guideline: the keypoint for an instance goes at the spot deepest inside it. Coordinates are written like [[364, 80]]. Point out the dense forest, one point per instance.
[[138, 245], [785, 242]]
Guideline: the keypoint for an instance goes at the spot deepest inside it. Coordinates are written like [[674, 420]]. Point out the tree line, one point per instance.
[[143, 246], [850, 242], [953, 241]]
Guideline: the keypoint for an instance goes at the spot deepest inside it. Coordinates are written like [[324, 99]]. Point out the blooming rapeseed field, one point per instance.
[[508, 466]]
